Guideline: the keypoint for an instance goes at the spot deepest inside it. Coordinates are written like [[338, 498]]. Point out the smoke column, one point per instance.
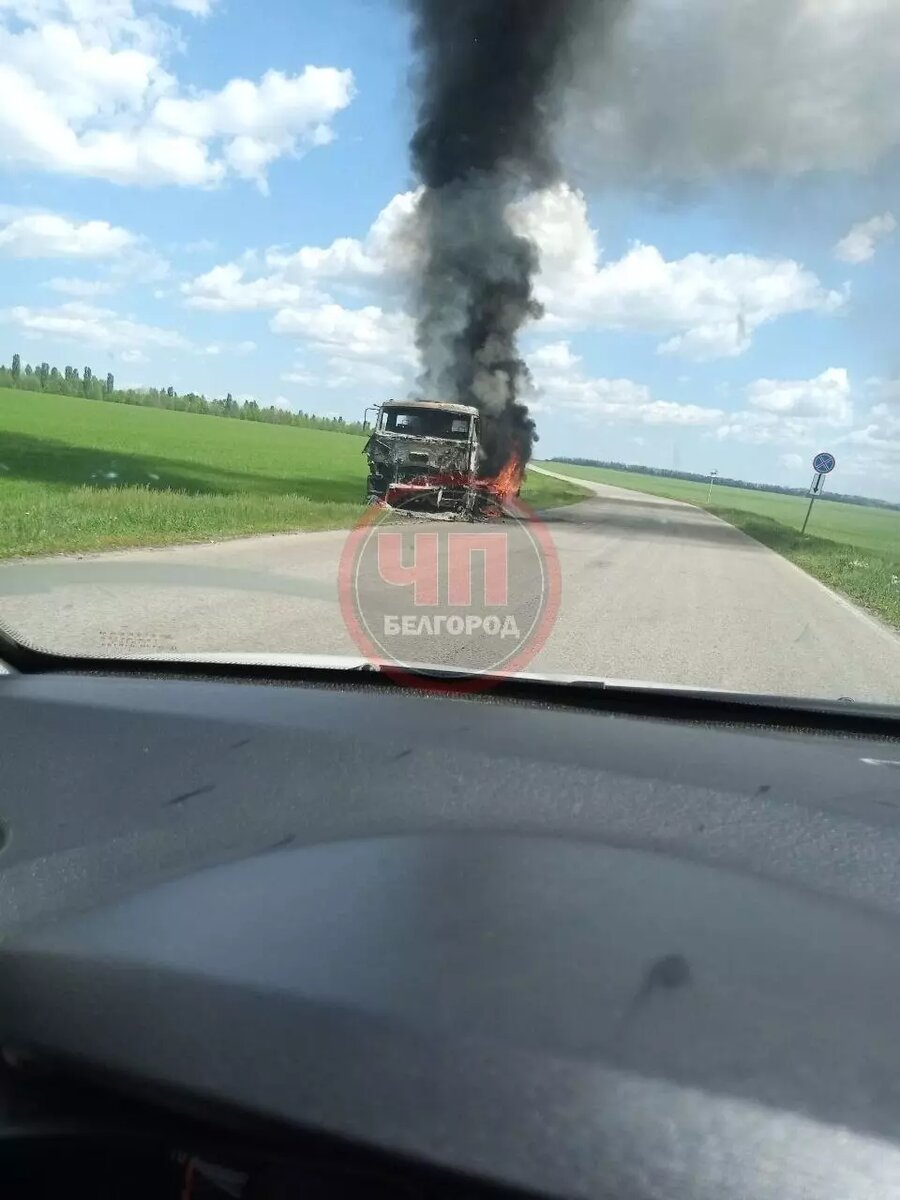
[[488, 76]]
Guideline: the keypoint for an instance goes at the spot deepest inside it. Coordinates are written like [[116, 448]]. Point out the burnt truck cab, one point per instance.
[[423, 456]]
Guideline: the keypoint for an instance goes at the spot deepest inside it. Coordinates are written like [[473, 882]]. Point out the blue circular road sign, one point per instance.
[[824, 464]]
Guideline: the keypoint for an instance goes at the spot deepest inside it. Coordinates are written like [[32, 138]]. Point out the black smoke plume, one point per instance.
[[488, 79]]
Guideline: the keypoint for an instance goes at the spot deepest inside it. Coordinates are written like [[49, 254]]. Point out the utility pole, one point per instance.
[[712, 480]]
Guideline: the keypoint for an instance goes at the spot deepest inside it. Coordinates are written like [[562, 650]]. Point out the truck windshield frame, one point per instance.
[[427, 423]]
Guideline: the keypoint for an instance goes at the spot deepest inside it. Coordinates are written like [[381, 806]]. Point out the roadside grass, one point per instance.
[[84, 475], [540, 491], [40, 520], [851, 548]]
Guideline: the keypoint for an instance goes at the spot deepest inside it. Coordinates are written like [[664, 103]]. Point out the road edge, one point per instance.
[[873, 620]]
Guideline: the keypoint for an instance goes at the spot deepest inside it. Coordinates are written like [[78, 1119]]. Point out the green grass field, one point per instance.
[[81, 475], [852, 548]]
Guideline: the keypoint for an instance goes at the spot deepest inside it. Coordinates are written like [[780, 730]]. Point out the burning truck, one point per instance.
[[425, 458]]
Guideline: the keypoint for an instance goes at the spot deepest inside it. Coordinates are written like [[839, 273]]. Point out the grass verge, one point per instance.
[[540, 491], [37, 521]]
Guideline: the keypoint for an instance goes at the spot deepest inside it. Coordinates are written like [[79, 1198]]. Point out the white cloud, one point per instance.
[[194, 8], [882, 432], [91, 326], [225, 289], [622, 401], [561, 385], [761, 428], [370, 346], [259, 122], [48, 235], [877, 441], [706, 306], [703, 306], [692, 90], [858, 246], [391, 249], [84, 91], [125, 258], [378, 264], [792, 410], [366, 333], [875, 455], [825, 398]]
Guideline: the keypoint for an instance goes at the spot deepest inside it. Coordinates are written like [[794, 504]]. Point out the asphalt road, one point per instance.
[[652, 591]]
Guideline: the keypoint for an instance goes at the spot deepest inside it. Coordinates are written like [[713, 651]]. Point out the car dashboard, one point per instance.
[[324, 936]]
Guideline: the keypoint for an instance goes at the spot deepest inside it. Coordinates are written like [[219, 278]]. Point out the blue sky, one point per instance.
[[217, 196]]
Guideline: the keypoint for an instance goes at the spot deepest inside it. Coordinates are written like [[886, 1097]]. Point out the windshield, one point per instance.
[[653, 246], [426, 422]]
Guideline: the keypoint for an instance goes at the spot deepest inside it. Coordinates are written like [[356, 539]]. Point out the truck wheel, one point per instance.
[[375, 490]]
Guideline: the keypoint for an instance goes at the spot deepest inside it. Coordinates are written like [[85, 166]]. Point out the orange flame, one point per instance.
[[506, 483]]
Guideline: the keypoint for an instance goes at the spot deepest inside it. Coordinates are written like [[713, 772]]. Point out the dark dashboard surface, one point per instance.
[[573, 952]]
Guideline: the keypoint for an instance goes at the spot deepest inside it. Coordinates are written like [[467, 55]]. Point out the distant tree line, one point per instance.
[[723, 480], [74, 382]]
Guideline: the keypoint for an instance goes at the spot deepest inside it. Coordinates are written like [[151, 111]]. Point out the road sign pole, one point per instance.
[[806, 519], [818, 487]]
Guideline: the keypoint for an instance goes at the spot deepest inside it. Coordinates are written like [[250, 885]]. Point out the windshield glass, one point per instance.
[[654, 246], [426, 422]]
